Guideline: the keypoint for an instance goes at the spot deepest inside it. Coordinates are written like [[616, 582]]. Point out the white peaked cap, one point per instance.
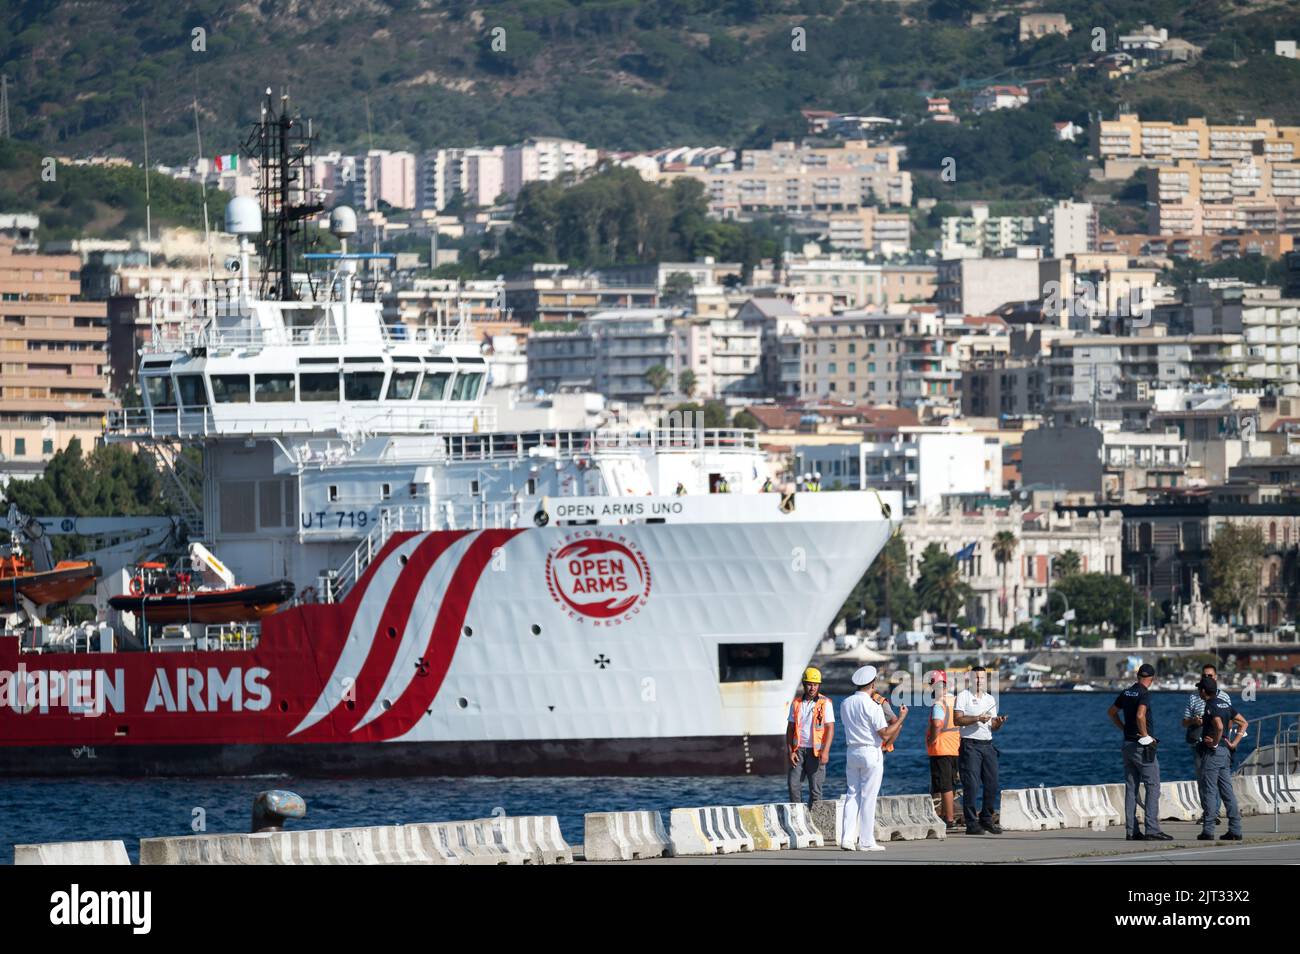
[[864, 676]]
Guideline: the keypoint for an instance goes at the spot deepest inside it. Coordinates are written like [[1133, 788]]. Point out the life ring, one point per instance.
[[137, 586]]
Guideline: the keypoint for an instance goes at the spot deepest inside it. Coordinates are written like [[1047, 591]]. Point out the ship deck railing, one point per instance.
[[1276, 754], [137, 424], [576, 443]]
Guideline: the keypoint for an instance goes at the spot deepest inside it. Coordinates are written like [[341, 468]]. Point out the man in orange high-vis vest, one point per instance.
[[943, 742], [808, 734]]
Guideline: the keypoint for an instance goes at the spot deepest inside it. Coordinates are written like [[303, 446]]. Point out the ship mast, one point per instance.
[[282, 145]]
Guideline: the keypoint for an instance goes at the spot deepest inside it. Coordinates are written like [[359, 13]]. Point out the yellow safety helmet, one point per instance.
[[812, 674]]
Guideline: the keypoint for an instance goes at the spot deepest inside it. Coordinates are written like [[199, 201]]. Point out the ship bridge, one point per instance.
[[326, 364]]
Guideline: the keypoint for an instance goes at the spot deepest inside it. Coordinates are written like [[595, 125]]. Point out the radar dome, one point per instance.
[[343, 222], [243, 216]]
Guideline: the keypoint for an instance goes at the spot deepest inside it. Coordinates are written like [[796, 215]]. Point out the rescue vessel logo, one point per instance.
[[604, 577]]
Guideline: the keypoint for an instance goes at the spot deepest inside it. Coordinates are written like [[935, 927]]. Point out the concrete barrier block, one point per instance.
[[72, 853], [1180, 801], [715, 829], [1256, 794], [799, 825], [481, 842], [761, 826], [374, 845], [536, 838], [919, 813], [1087, 806], [1031, 809], [624, 836], [893, 823], [828, 816]]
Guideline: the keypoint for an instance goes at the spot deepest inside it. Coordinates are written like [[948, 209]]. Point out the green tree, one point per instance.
[[1236, 560], [939, 584], [110, 481], [688, 381], [658, 377], [883, 591], [712, 414], [747, 420], [1004, 550], [678, 288], [1101, 601], [1067, 564]]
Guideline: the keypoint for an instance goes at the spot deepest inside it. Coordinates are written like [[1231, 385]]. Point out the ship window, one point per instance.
[[159, 388], [531, 488], [363, 385], [401, 386], [334, 493], [466, 388], [193, 394], [385, 491], [363, 360], [273, 388], [434, 386], [749, 662], [230, 388], [318, 386]]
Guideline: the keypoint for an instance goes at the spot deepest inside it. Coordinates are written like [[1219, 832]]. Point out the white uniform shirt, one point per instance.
[[806, 718], [862, 718], [972, 705]]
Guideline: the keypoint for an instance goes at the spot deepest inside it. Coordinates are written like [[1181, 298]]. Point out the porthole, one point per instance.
[[468, 631], [463, 702], [537, 630]]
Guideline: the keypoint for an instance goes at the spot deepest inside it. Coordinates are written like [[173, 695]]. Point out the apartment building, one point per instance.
[[54, 383], [1200, 197], [824, 285], [544, 160], [1203, 248], [979, 286], [792, 179], [1087, 368], [906, 358], [1159, 142], [550, 293], [1103, 461], [923, 464]]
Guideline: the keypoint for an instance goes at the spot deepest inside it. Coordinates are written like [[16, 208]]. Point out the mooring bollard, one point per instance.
[[270, 809]]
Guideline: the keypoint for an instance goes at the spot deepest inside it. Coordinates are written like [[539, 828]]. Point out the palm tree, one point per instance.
[[658, 377], [1004, 548], [688, 381], [1067, 564], [940, 586]]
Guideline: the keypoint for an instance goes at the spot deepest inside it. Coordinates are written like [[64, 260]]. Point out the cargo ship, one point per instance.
[[467, 599]]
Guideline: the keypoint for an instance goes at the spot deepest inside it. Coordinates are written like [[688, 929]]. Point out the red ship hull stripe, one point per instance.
[[443, 639]]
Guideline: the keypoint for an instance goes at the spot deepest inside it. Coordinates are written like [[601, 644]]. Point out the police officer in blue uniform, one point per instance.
[[1216, 763], [1141, 767]]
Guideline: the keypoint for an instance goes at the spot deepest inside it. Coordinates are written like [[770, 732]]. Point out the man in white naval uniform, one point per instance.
[[865, 731]]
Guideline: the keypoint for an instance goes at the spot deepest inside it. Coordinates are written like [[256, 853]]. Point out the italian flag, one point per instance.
[[227, 163]]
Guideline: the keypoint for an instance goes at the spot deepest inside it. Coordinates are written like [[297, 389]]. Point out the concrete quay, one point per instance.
[[1062, 846]]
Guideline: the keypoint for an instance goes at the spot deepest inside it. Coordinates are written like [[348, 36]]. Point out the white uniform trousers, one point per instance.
[[866, 768]]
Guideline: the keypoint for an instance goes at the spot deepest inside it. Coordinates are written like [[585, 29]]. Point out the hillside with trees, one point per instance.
[[618, 74]]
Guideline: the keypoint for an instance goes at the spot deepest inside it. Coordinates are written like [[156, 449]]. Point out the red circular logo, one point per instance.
[[599, 577]]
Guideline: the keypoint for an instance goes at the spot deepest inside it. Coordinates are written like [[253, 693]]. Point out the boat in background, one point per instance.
[[20, 580]]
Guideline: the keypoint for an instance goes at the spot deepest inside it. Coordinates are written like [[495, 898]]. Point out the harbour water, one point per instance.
[[1049, 739]]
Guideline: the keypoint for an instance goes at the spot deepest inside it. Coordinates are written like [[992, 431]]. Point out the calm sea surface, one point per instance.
[[1050, 739]]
